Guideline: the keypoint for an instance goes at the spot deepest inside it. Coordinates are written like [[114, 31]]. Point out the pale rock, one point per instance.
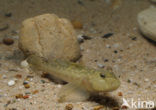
[[147, 22], [49, 36], [11, 83], [24, 64]]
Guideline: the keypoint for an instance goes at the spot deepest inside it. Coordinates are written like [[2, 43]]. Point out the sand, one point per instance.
[[131, 56]]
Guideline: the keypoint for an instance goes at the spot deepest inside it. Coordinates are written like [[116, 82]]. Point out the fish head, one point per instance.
[[103, 81]]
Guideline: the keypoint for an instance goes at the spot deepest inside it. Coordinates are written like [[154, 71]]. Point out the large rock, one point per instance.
[[49, 36], [147, 22]]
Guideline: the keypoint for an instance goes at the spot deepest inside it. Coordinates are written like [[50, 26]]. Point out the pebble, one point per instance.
[[100, 65], [120, 94], [8, 14], [25, 82], [98, 107], [18, 76], [92, 30], [115, 51], [4, 76], [108, 46], [35, 92], [77, 24], [146, 80], [80, 2], [24, 64], [69, 107], [43, 81], [80, 38], [106, 60], [86, 37], [11, 83], [8, 41], [26, 86], [116, 45], [147, 22], [107, 35], [59, 85]]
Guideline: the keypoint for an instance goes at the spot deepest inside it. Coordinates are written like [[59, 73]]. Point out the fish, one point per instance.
[[82, 80]]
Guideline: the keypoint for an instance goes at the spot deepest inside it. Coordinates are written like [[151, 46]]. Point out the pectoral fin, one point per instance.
[[72, 93]]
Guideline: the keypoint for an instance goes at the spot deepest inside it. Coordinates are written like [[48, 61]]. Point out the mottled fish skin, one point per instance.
[[90, 79]]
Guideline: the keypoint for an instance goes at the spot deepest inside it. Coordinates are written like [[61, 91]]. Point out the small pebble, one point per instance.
[[35, 92], [86, 37], [69, 107], [100, 65], [11, 83], [27, 93], [8, 41], [146, 80], [19, 96], [98, 107], [43, 81], [115, 108], [24, 64], [26, 86], [4, 76], [107, 35], [18, 76], [129, 81], [77, 24], [134, 38], [25, 82], [120, 94], [105, 60], [80, 39], [108, 46], [59, 85], [8, 14], [80, 2], [115, 51], [116, 45], [25, 96]]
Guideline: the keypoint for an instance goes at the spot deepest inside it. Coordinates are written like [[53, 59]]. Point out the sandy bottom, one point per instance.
[[127, 52]]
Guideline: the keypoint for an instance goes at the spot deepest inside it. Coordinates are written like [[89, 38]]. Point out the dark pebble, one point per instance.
[[43, 81], [107, 35], [95, 60], [105, 60], [25, 82], [86, 37], [136, 84], [121, 50], [29, 76], [4, 27], [129, 81], [8, 41], [9, 14], [115, 51], [134, 38], [80, 2]]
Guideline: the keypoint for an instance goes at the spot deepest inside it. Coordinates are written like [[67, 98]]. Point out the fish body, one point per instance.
[[89, 79]]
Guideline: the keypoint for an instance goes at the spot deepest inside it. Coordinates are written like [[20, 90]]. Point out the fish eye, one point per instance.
[[102, 75]]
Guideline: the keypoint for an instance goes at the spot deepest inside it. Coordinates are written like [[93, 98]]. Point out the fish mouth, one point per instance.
[[113, 84], [108, 85]]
